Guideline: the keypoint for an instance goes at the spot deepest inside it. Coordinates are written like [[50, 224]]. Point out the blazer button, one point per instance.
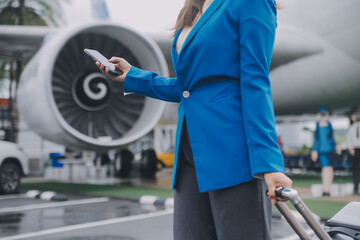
[[186, 94]]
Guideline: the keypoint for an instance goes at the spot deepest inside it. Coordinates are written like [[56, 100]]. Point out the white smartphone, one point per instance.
[[98, 57]]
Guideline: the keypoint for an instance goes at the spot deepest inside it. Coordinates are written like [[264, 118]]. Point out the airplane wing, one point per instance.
[[290, 44], [22, 42]]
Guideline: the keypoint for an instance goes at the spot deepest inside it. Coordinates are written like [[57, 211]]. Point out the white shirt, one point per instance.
[[187, 29], [353, 136]]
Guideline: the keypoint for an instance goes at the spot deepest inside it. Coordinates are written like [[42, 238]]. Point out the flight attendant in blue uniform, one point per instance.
[[323, 149], [226, 152]]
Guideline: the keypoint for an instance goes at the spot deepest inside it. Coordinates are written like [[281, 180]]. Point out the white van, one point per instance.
[[13, 165]]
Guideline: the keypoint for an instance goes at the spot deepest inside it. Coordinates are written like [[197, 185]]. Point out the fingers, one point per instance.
[[115, 59], [286, 183], [101, 66], [271, 194], [120, 65], [106, 71], [275, 180], [271, 186], [290, 182]]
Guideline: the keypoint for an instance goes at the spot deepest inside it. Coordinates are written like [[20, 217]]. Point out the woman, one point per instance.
[[353, 144], [226, 142], [323, 149]]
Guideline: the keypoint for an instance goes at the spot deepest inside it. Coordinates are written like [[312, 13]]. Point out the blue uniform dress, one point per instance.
[[324, 144]]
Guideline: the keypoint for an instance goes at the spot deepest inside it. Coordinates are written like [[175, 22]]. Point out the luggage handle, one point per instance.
[[293, 196], [290, 218]]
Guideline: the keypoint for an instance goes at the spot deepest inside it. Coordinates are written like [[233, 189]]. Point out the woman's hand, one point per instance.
[[352, 151], [273, 181], [314, 156], [120, 63]]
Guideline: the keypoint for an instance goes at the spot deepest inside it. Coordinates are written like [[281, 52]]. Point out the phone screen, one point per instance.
[[98, 57]]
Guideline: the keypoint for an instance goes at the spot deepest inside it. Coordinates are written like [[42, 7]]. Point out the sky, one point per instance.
[[142, 15]]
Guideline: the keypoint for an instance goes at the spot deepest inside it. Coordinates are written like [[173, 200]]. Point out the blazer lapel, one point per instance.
[[203, 19]]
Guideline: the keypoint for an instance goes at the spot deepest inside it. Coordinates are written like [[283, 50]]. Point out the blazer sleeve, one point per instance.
[[257, 23], [151, 85]]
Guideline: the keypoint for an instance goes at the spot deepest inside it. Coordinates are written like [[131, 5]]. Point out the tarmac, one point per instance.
[[81, 217], [92, 218]]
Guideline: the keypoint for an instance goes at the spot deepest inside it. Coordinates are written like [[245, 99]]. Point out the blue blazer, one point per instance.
[[224, 91]]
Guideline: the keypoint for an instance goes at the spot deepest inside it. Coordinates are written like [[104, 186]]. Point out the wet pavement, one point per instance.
[[98, 218], [19, 216], [85, 218]]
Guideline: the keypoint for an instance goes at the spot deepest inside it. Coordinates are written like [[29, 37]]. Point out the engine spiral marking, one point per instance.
[[93, 95], [92, 92]]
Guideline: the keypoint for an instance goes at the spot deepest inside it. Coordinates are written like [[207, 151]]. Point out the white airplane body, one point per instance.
[[316, 62], [331, 76]]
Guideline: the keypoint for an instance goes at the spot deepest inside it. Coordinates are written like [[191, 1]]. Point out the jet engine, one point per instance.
[[65, 98]]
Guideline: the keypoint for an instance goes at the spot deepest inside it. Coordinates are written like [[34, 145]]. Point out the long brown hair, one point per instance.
[[188, 13]]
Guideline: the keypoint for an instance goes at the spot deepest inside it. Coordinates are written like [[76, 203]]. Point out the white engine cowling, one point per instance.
[[64, 97]]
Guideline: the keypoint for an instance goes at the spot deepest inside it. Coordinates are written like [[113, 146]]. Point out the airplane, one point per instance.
[[316, 62]]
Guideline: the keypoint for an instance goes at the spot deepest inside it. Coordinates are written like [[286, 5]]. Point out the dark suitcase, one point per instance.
[[343, 225]]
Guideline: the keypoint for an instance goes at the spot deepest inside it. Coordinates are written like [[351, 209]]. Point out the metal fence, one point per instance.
[[342, 161]]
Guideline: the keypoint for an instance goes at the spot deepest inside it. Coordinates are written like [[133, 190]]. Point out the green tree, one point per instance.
[[304, 150], [24, 12], [31, 12]]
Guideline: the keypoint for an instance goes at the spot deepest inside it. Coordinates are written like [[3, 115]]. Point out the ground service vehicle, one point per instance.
[[13, 165]]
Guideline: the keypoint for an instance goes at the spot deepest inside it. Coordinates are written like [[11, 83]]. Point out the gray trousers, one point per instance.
[[234, 213]]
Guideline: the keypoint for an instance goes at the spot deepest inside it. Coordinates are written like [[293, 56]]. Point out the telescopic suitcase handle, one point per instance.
[[293, 196]]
